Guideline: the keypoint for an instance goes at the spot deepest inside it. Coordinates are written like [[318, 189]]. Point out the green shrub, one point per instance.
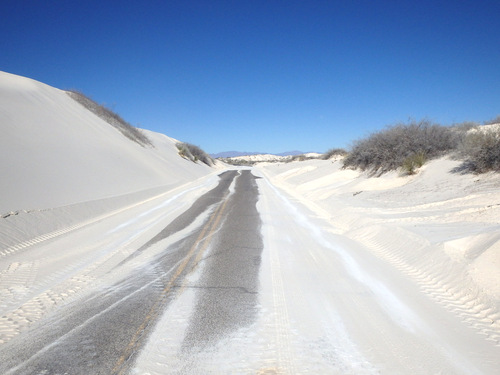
[[413, 162], [111, 118], [388, 149]]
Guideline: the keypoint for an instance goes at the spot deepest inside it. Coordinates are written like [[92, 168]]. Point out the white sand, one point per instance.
[[54, 152], [73, 189], [357, 293], [440, 228], [62, 165], [72, 181]]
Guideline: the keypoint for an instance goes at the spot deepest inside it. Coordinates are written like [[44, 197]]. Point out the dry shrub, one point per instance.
[[333, 152], [481, 149], [388, 149], [194, 153], [111, 118], [495, 120]]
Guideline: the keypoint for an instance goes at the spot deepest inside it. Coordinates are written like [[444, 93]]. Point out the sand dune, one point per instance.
[[62, 165], [440, 229], [55, 152]]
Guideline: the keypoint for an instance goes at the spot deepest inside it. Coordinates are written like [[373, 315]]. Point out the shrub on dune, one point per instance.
[[401, 145], [493, 121], [413, 162], [333, 152], [481, 149], [194, 153], [112, 118]]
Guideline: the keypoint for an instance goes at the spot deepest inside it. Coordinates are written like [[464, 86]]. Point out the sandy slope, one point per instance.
[[439, 228], [328, 303], [54, 152], [62, 165], [65, 173]]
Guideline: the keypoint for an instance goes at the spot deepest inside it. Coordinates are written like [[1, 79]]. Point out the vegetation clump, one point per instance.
[[493, 121], [115, 120], [481, 149], [401, 146], [194, 153], [238, 162], [300, 157], [413, 162], [333, 152]]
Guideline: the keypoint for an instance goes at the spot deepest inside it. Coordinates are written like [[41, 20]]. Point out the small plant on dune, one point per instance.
[[112, 118], [413, 162], [333, 152], [194, 153], [183, 151], [300, 157]]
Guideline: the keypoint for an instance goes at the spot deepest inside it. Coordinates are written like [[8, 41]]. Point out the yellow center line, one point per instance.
[[204, 240], [210, 234]]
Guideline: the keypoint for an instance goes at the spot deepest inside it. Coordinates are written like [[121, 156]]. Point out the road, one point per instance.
[[230, 277]]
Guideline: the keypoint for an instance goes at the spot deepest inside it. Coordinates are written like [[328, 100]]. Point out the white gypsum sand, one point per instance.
[[62, 165], [415, 258], [63, 170], [440, 228]]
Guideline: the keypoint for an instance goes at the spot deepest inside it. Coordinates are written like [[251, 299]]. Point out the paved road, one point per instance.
[[102, 333], [245, 280]]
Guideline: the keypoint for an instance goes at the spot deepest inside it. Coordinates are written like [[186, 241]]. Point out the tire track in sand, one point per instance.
[[445, 288]]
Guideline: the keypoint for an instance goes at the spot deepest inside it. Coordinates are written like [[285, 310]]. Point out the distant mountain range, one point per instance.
[[233, 154]]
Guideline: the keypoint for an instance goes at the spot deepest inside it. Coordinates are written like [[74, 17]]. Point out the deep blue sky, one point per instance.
[[264, 75]]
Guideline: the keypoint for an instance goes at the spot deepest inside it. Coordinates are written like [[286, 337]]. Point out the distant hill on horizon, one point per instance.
[[233, 154]]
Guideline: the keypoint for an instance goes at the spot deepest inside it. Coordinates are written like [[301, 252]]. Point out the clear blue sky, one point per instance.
[[264, 75]]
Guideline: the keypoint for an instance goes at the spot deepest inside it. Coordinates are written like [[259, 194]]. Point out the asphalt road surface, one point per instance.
[[238, 279], [103, 332]]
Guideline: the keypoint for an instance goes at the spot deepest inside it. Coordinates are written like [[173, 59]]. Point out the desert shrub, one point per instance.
[[495, 120], [184, 151], [413, 162], [481, 149], [300, 157], [111, 118], [461, 130], [388, 149], [194, 153], [333, 152], [465, 126], [238, 162]]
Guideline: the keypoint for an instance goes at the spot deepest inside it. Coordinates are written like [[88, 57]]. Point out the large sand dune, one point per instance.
[[62, 165], [55, 152]]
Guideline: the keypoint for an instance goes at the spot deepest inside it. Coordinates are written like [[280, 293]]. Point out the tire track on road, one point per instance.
[[194, 253], [115, 322]]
